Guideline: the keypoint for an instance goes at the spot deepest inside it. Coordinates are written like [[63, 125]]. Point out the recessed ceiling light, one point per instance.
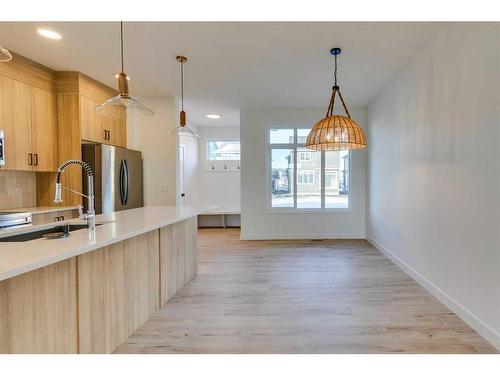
[[49, 34], [116, 76], [213, 115]]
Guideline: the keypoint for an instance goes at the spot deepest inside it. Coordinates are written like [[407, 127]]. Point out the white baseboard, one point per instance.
[[488, 333], [308, 236]]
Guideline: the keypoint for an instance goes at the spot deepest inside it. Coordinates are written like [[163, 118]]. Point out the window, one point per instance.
[[306, 179], [223, 150], [304, 156]]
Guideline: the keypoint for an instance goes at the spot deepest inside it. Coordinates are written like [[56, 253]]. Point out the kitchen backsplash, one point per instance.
[[17, 189]]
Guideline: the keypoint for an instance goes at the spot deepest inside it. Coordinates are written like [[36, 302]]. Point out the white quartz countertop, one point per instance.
[[20, 257]]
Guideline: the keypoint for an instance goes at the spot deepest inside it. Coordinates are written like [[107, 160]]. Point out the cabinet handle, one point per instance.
[[30, 159], [109, 135], [36, 159], [105, 135]]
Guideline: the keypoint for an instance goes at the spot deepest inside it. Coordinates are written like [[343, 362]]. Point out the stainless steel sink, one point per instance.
[[23, 237]]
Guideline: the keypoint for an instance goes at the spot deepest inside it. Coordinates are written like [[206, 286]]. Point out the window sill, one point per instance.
[[309, 211]]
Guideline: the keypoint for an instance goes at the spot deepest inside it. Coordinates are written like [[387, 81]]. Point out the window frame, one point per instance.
[[221, 140], [295, 146]]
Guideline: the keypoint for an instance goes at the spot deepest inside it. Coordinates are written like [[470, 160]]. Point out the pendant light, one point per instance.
[[336, 132], [5, 55], [123, 99], [182, 129]]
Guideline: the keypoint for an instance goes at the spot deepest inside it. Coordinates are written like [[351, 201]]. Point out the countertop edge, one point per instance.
[[47, 261]]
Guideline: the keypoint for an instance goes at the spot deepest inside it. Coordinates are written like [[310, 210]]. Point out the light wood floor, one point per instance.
[[338, 296]]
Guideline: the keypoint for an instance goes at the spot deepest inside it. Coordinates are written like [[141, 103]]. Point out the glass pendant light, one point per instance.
[[183, 129], [123, 99], [336, 132], [5, 55]]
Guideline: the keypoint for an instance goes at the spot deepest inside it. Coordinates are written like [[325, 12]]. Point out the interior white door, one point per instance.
[[182, 176]]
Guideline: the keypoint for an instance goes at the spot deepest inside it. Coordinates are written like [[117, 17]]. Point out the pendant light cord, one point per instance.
[[335, 90], [121, 42], [335, 72]]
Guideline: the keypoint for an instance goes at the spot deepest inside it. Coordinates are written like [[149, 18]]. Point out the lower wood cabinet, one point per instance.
[[118, 290], [38, 311], [177, 256], [50, 217], [93, 302]]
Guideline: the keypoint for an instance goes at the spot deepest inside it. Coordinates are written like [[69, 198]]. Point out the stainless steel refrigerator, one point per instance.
[[118, 177]]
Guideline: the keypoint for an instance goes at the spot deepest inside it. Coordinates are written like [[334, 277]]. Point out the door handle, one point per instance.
[[36, 159], [30, 159], [122, 198], [126, 181]]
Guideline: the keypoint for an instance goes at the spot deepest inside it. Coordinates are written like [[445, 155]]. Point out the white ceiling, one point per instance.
[[231, 65]]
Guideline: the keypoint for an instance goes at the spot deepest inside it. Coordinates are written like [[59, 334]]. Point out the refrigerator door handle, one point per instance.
[[125, 188], [122, 185]]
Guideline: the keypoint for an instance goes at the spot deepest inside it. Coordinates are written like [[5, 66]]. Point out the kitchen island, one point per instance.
[[89, 292]]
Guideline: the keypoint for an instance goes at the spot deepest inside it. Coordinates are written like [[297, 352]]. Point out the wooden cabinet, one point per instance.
[[28, 118], [118, 290], [38, 311], [44, 130], [105, 126], [15, 120], [54, 216], [116, 125], [178, 249]]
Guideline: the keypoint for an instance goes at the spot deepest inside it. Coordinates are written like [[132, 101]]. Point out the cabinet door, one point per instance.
[[44, 130], [91, 121], [68, 214], [16, 123], [48, 217], [116, 124]]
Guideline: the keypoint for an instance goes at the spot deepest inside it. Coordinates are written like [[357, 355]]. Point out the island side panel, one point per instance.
[[38, 311], [118, 291], [178, 256]]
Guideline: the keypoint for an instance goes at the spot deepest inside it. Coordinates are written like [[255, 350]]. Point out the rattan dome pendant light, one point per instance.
[[336, 132]]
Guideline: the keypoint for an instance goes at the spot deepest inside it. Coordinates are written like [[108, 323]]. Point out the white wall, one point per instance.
[[257, 222], [434, 172], [217, 188], [149, 134]]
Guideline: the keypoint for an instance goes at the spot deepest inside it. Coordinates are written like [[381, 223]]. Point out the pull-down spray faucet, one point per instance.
[[90, 215]]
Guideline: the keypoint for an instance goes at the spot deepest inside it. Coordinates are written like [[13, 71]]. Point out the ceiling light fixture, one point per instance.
[[213, 116], [123, 99], [49, 34], [336, 132], [5, 55], [182, 129]]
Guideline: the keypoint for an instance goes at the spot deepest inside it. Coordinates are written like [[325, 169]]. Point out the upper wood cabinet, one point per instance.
[[15, 121], [90, 122], [115, 122], [28, 118], [105, 126], [44, 130]]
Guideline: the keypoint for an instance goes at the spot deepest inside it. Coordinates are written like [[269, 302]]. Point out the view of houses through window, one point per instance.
[[306, 179], [223, 150]]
